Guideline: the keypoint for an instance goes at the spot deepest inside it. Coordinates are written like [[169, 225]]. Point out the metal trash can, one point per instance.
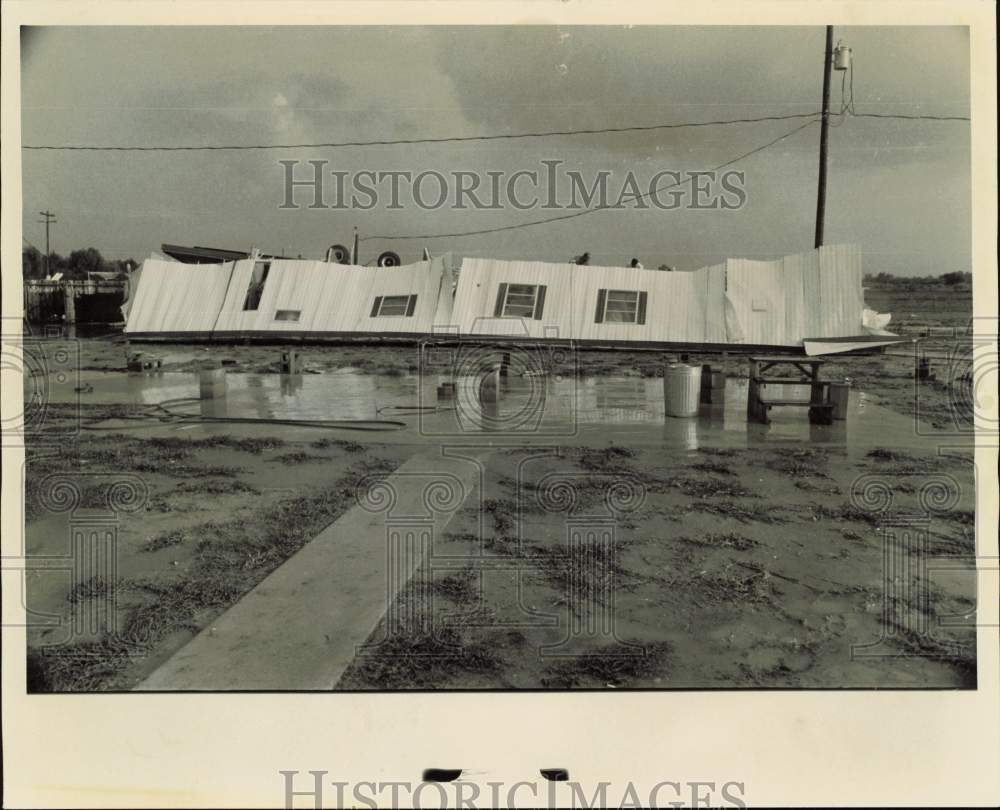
[[681, 390], [840, 393]]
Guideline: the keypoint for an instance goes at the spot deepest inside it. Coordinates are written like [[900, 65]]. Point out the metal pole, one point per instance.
[[50, 219], [824, 136]]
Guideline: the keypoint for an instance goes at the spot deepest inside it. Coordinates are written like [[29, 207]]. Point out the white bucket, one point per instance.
[[212, 383], [681, 390]]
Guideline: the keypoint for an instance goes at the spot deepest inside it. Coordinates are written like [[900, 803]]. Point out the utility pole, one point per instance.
[[823, 136], [50, 219]]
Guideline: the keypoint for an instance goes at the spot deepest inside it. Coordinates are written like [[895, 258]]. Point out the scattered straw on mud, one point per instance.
[[460, 587], [715, 467], [344, 444], [229, 559], [698, 487], [730, 540], [733, 586], [802, 463], [608, 459], [422, 662], [744, 513], [217, 486], [612, 665], [298, 457]]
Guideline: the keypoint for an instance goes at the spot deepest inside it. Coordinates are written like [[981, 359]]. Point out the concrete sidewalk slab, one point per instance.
[[300, 627]]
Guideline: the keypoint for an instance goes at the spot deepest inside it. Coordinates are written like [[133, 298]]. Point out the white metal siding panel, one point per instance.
[[232, 318], [840, 291], [681, 307], [175, 297], [814, 294], [332, 297]]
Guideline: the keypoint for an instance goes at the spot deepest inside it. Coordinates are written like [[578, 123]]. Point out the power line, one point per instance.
[[474, 138], [902, 117], [410, 141], [586, 211], [48, 219]]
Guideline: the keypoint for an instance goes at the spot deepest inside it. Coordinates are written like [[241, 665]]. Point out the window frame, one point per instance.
[[639, 312], [507, 302], [403, 306], [634, 303]]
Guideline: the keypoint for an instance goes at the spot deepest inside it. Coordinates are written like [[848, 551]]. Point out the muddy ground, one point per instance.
[[738, 568], [721, 569]]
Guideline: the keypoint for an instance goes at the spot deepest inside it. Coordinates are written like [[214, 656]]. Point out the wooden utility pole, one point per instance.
[[823, 136], [50, 219]]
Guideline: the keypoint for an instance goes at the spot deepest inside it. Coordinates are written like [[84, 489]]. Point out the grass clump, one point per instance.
[[94, 588], [502, 511], [714, 467], [459, 587], [960, 657], [82, 667], [344, 444], [167, 539], [298, 457], [711, 488], [612, 665], [216, 486], [733, 540], [585, 573], [846, 513], [805, 463], [607, 459], [734, 587], [750, 513], [422, 662]]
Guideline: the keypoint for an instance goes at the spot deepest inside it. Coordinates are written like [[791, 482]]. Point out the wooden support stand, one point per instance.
[[758, 403]]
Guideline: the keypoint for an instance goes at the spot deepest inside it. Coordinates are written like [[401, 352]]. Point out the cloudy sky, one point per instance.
[[899, 188]]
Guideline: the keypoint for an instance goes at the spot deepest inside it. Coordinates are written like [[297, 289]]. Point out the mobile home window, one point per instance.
[[621, 306], [393, 306], [520, 301], [287, 314]]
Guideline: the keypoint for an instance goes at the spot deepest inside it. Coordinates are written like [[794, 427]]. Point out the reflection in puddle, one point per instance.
[[554, 409]]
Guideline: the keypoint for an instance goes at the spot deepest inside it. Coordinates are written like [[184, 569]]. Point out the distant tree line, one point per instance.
[[77, 266], [955, 279]]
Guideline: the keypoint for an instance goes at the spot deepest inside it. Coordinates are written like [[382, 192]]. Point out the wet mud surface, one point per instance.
[[607, 546]]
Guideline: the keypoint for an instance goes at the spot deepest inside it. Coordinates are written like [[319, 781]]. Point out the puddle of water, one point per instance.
[[528, 410]]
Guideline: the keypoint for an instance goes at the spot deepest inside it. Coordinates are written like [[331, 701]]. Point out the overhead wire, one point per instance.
[[413, 141], [595, 209]]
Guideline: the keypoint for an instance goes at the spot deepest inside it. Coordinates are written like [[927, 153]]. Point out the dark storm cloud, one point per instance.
[[233, 85]]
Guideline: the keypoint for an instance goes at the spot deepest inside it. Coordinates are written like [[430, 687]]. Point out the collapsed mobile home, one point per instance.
[[807, 302]]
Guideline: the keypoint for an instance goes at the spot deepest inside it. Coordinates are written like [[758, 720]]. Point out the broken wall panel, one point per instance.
[[173, 297], [742, 302]]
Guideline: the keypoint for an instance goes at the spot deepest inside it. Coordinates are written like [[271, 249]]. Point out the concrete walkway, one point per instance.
[[300, 627]]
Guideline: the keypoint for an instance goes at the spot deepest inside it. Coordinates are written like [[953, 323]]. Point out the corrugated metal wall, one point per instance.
[[681, 307], [175, 297], [330, 297], [814, 294]]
